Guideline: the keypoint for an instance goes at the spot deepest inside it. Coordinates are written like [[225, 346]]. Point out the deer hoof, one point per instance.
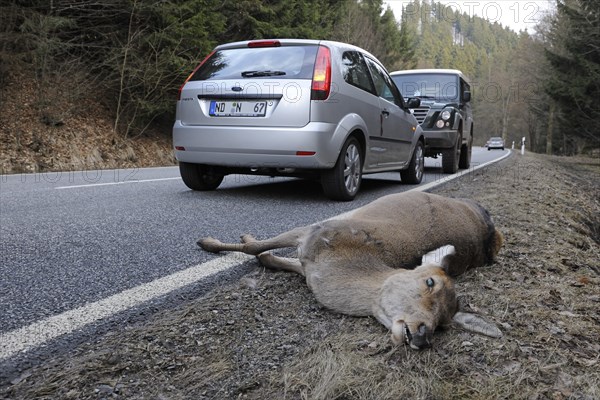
[[247, 238], [210, 244]]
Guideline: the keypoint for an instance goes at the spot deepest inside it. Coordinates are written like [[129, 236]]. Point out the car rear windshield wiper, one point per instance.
[[251, 74]]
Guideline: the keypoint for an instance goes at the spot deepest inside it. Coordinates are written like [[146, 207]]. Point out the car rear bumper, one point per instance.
[[257, 147]]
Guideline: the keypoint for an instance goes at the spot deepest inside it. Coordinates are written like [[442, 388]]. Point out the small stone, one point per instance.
[[104, 389], [249, 283], [506, 325]]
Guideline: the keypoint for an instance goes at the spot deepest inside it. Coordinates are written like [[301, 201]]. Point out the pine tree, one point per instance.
[[574, 80]]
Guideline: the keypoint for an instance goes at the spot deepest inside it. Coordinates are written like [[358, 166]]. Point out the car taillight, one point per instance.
[[321, 82], [192, 74], [264, 43]]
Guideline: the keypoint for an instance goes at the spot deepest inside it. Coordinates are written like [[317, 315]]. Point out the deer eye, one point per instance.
[[430, 282]]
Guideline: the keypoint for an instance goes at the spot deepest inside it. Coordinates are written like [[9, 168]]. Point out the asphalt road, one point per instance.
[[74, 238]]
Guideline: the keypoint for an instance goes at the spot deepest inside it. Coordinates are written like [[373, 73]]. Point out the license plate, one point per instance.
[[237, 108]]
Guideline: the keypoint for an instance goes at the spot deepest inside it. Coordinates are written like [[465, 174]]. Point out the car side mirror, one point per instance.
[[467, 96], [413, 102]]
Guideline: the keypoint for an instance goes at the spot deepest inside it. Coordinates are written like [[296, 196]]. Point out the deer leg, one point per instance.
[[282, 263], [275, 262], [254, 247]]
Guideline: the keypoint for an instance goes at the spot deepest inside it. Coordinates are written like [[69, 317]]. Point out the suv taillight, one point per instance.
[[192, 74], [321, 82]]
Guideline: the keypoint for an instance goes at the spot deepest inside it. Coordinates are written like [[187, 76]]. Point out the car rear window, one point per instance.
[[285, 62]]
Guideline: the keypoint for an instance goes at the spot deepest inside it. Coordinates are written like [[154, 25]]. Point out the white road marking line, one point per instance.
[[40, 332], [115, 183], [448, 178]]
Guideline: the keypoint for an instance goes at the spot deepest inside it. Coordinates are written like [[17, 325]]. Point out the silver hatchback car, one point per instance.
[[303, 108]]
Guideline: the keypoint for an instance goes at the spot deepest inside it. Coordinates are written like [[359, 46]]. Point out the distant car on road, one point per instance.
[[305, 108], [495, 143], [444, 113]]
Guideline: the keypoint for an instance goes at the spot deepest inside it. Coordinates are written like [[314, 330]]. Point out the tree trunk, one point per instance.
[[550, 128], [505, 115]]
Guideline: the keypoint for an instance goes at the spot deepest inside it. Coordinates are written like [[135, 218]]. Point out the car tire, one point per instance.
[[451, 157], [342, 182], [414, 173], [199, 177], [465, 155]]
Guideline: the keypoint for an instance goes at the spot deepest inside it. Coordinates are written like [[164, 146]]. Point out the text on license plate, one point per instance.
[[237, 108]]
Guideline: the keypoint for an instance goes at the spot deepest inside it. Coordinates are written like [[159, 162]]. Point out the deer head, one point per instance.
[[414, 303]]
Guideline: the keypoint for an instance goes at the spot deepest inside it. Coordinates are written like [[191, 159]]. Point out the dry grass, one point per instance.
[[267, 338]]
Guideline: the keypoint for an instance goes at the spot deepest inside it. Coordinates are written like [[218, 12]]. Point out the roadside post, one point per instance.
[[523, 146]]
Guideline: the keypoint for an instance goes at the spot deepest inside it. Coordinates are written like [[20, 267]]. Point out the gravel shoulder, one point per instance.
[[265, 337]]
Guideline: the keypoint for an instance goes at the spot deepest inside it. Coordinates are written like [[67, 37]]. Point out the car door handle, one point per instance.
[[386, 113]]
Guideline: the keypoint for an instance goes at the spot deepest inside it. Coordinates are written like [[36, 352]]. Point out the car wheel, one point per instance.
[[450, 157], [343, 181], [465, 155], [199, 177], [414, 173]]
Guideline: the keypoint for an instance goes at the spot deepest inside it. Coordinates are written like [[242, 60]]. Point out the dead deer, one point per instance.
[[393, 259]]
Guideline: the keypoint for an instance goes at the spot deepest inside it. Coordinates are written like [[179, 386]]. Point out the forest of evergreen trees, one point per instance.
[[543, 86], [134, 54]]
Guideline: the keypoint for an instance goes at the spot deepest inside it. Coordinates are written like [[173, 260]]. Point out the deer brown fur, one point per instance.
[[393, 259]]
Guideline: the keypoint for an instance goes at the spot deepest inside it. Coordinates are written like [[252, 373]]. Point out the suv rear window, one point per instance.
[[435, 86], [286, 62]]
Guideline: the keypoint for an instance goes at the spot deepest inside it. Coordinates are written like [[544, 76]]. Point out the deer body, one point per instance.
[[393, 259]]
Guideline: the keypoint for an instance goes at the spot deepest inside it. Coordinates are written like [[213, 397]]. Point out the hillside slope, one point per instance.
[[46, 129]]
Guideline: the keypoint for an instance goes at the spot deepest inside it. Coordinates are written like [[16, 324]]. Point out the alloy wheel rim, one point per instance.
[[420, 163], [352, 169]]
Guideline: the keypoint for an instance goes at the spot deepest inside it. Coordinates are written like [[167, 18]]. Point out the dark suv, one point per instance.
[[444, 114]]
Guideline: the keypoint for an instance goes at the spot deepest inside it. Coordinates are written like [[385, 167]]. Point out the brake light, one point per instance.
[[192, 74], [264, 43], [321, 83]]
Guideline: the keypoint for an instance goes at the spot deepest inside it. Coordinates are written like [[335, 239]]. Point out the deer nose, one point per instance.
[[422, 338]]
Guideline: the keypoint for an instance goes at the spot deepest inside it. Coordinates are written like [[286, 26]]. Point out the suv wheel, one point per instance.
[[465, 155], [199, 177], [343, 181], [414, 173], [450, 157]]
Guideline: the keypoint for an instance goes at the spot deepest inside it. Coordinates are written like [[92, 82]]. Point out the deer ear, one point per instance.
[[476, 324], [440, 256], [449, 255]]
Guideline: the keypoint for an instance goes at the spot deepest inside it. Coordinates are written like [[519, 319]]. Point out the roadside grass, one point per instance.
[[266, 337]]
